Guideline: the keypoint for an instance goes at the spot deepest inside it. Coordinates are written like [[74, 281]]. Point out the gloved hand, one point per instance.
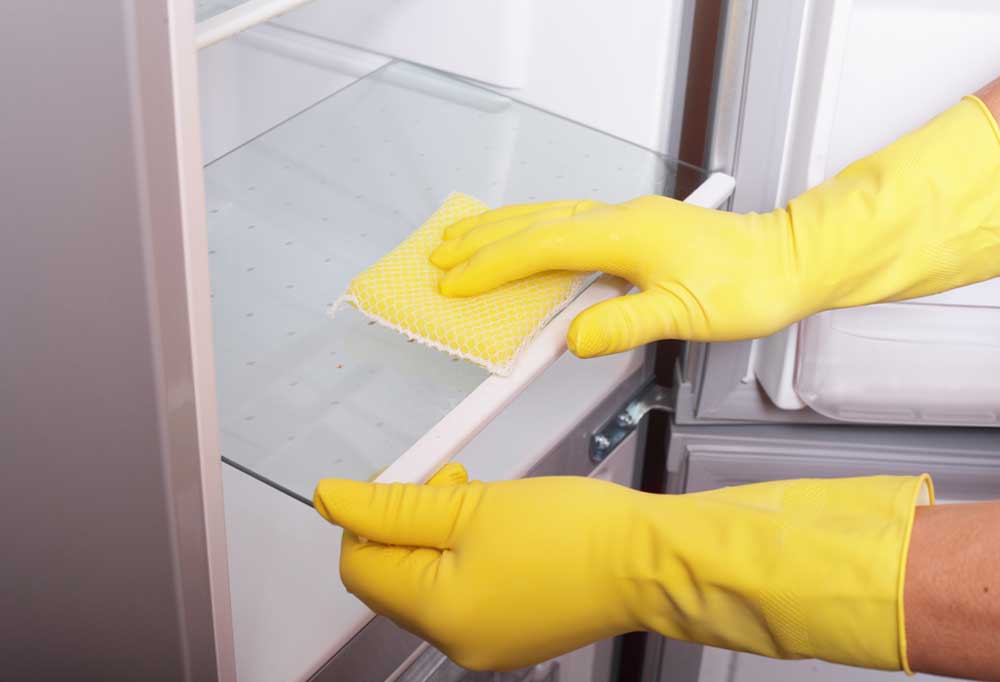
[[503, 575], [917, 218]]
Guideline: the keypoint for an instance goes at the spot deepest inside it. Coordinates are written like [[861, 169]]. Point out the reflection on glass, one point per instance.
[[205, 9], [297, 212]]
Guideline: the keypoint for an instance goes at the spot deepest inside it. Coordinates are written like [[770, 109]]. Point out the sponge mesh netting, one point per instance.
[[401, 292]]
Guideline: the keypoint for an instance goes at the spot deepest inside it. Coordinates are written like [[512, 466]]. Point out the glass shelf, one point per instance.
[[294, 214]]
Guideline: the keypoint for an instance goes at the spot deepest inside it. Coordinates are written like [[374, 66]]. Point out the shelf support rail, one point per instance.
[[246, 15]]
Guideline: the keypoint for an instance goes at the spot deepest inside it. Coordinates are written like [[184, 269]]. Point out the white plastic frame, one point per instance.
[[818, 59]]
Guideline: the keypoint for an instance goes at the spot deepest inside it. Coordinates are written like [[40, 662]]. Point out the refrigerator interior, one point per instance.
[[320, 158], [298, 211]]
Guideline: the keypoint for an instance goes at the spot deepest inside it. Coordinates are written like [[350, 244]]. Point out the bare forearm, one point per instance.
[[952, 591], [990, 95]]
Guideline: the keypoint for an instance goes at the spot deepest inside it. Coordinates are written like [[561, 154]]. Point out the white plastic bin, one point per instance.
[[933, 361]]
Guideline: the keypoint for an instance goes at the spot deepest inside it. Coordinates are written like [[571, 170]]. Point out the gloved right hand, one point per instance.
[[917, 218]]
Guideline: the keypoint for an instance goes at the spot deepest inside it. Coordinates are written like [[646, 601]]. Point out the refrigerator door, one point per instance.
[[828, 83], [114, 553], [917, 362]]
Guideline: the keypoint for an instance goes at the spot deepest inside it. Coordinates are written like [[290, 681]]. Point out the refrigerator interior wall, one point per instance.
[[487, 40], [617, 67], [266, 75], [619, 70]]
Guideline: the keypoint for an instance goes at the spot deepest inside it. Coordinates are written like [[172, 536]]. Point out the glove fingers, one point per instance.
[[453, 251], [461, 227], [393, 581], [623, 323], [395, 513], [388, 578], [451, 473], [580, 243]]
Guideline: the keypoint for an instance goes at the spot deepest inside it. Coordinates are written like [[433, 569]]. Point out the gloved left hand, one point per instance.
[[495, 575], [504, 575]]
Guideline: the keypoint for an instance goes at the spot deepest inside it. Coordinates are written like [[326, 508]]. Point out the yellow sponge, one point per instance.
[[401, 291]]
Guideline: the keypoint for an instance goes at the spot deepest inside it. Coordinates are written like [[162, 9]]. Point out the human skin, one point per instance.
[[952, 593]]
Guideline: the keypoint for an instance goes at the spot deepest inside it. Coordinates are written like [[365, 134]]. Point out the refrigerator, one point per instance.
[[197, 181]]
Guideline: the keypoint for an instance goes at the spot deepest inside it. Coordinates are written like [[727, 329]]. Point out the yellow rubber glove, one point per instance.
[[504, 575], [919, 217]]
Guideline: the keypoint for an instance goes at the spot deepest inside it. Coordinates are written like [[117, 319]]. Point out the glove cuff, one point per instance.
[[811, 568], [991, 120], [916, 218], [922, 494]]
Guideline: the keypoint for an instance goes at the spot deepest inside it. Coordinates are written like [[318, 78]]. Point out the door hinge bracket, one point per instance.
[[650, 397]]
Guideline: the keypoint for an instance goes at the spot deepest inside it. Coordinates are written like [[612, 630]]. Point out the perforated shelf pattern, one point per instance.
[[297, 212]]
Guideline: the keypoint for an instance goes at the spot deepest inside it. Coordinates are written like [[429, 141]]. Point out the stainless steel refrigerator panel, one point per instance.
[[113, 558], [965, 463]]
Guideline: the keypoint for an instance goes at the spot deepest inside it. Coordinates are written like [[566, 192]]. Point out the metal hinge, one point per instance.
[[649, 398]]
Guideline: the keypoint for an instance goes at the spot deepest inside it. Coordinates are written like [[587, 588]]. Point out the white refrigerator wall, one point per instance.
[[486, 40], [903, 61], [618, 67], [615, 67]]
